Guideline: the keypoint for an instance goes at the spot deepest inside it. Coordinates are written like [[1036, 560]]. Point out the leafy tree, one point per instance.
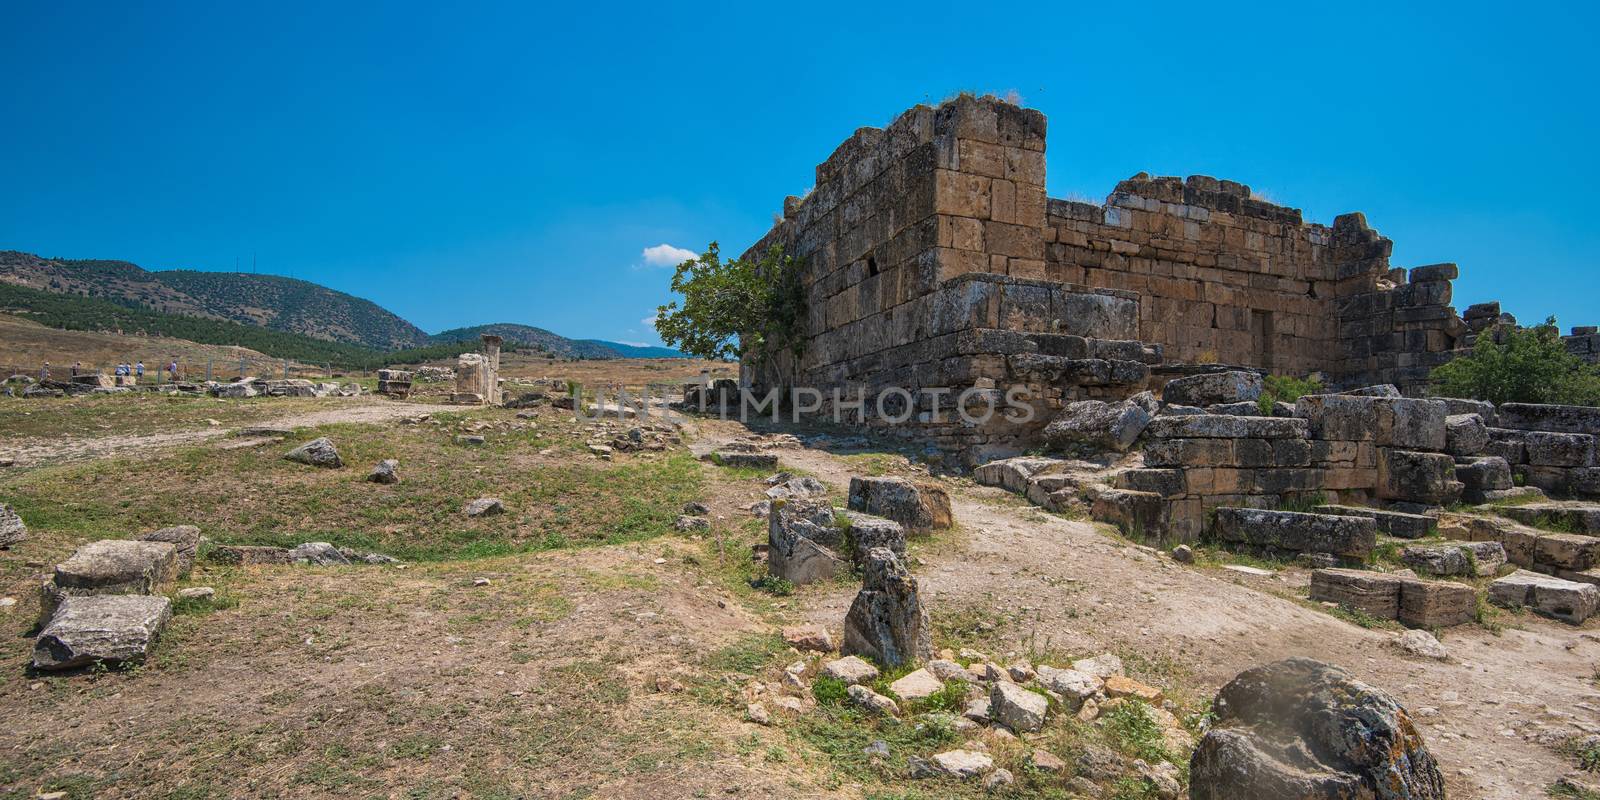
[[1531, 365], [735, 307], [1286, 389]]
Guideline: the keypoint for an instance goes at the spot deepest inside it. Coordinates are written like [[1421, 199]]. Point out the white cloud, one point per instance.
[[634, 344], [665, 255], [650, 321]]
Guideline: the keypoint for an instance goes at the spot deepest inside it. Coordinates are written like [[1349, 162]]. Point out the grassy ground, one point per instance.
[[132, 414]]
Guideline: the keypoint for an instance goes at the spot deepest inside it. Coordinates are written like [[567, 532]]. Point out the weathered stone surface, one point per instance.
[[917, 506], [916, 685], [803, 541], [1101, 666], [872, 701], [795, 487], [1436, 604], [1465, 434], [1376, 390], [1427, 478], [1472, 559], [1168, 483], [114, 629], [1542, 417], [963, 763], [1213, 388], [1386, 421], [1295, 532], [1573, 517], [12, 528], [1217, 426], [484, 507], [1138, 514], [1422, 644], [1073, 686], [808, 637], [1017, 708], [1393, 523], [1483, 475], [887, 621], [734, 458], [1373, 593], [866, 532], [1559, 449], [117, 566], [1303, 729], [1568, 601], [850, 669], [185, 540], [318, 452], [1107, 426], [1566, 550], [1013, 473], [387, 471], [247, 555], [317, 553]]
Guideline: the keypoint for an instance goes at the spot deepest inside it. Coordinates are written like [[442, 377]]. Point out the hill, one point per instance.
[[555, 344], [76, 313], [270, 301]]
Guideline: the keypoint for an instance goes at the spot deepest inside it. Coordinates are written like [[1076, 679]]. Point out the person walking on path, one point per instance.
[[140, 370]]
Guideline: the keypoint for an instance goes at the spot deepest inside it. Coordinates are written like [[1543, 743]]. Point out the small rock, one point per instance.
[[808, 637], [318, 452], [998, 779], [946, 670], [1017, 708], [1422, 644], [1101, 666], [1021, 671], [470, 439], [685, 524], [757, 713], [977, 710], [1164, 776], [1088, 711], [850, 669], [872, 701], [916, 685], [1046, 761], [197, 593], [696, 509], [480, 581], [878, 748], [1120, 686], [385, 472], [484, 507], [1183, 554], [963, 763]]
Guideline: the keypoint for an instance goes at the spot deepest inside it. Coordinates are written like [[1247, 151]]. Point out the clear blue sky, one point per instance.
[[481, 164]]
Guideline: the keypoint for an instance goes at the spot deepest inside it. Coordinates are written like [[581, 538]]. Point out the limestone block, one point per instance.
[[1374, 593], [1568, 601], [1213, 388], [917, 506], [1465, 434], [113, 629], [1559, 449], [1393, 523], [1295, 532], [1555, 418], [1436, 604], [1214, 426], [1427, 478]]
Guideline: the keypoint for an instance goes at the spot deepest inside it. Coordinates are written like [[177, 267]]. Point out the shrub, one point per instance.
[[738, 307], [829, 691], [1531, 365], [1286, 389]]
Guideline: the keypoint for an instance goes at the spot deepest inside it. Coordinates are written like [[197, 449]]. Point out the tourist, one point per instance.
[[140, 370], [44, 372], [173, 369], [75, 366]]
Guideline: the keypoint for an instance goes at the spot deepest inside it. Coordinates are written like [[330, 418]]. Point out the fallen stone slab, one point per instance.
[[1137, 514], [186, 540], [248, 555], [917, 506], [1213, 388], [1426, 478], [1098, 424], [804, 541], [1397, 422], [1544, 417], [1470, 559], [1568, 601], [484, 507], [12, 528], [112, 566], [1566, 517], [1218, 426], [1393, 523], [113, 629], [1373, 593], [744, 460], [1013, 473], [916, 685], [1296, 532], [318, 554], [1017, 708], [318, 452], [1303, 729]]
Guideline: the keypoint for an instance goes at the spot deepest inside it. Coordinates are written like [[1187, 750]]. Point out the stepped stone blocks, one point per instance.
[[1414, 602], [1568, 601], [1565, 555], [1577, 518], [1551, 447], [1393, 523]]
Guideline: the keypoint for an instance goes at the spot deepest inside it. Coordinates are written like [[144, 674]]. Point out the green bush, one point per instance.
[[1532, 365], [1286, 389], [829, 691], [738, 307]]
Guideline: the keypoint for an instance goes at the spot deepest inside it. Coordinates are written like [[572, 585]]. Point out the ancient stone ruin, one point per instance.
[[478, 375]]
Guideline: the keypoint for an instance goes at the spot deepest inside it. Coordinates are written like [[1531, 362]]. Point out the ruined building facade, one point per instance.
[[934, 259]]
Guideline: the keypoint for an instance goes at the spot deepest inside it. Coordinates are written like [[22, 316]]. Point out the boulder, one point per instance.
[[1098, 424], [387, 471], [804, 538], [1303, 729], [917, 506], [1465, 434], [1422, 644], [114, 629], [320, 554], [318, 452], [1013, 473], [484, 507], [1017, 708], [12, 529], [1568, 601], [887, 621], [1213, 388], [1394, 523], [184, 538]]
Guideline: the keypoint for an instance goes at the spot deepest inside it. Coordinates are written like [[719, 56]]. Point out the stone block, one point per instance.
[[1373, 593], [1569, 517], [1469, 559], [110, 629], [1568, 601], [1188, 452], [1427, 478], [1138, 514], [1482, 475], [1386, 421], [1213, 388], [1393, 523], [1295, 532], [803, 541], [1569, 551], [1215, 426], [1107, 426], [1436, 604], [917, 506], [1465, 434], [1559, 449], [1168, 483], [1013, 473], [1554, 418]]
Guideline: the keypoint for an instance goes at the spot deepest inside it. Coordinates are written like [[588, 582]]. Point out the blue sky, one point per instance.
[[514, 162]]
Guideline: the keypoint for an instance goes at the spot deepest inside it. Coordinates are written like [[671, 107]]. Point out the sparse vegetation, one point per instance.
[[1285, 389]]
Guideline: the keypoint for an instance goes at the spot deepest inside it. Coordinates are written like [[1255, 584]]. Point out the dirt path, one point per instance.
[[1488, 714], [33, 451]]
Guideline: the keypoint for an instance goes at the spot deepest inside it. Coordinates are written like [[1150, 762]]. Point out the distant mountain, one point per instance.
[[555, 344], [637, 351], [269, 301]]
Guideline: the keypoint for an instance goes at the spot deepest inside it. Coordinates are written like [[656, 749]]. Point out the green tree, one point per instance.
[[1531, 365], [735, 307]]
